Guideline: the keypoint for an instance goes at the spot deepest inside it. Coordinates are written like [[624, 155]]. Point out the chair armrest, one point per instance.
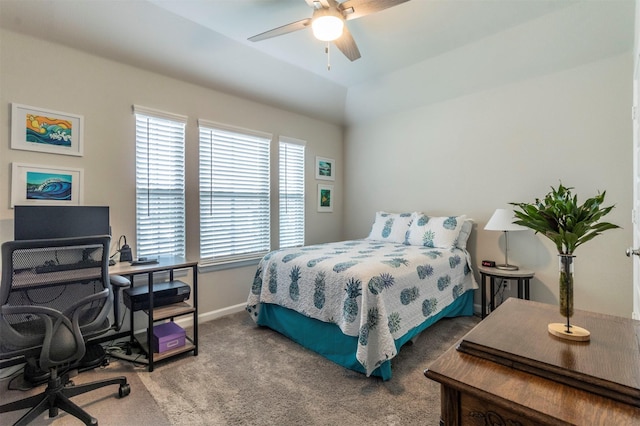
[[118, 282]]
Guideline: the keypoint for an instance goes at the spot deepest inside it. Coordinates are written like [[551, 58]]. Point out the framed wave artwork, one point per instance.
[[325, 168], [42, 130], [33, 184]]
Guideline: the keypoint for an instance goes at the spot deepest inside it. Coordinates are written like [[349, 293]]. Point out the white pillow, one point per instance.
[[436, 232], [390, 227], [465, 232]]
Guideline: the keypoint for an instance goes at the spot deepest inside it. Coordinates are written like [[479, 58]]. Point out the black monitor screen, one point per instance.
[[40, 222]]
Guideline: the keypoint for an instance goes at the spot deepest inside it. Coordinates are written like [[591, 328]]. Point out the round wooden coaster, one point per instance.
[[577, 333]]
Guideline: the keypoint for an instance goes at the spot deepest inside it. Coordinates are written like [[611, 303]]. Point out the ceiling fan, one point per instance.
[[328, 22]]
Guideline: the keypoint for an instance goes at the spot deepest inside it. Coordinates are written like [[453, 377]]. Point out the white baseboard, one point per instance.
[[187, 320]]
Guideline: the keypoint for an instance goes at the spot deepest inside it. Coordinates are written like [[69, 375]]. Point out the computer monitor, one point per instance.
[[40, 222]]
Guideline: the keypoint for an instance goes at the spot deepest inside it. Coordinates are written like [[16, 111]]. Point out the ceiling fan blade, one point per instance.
[[317, 3], [352, 9], [347, 45], [285, 29]]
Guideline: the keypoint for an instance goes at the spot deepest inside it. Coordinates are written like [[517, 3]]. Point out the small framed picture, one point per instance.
[[325, 198], [32, 184], [325, 168], [42, 130]]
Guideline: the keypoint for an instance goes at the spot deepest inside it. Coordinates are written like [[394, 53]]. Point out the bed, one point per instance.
[[358, 302]]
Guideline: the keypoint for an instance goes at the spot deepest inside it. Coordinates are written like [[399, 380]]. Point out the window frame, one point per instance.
[[298, 182], [263, 241], [177, 187]]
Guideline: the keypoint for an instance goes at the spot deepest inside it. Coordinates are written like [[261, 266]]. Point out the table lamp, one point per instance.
[[502, 220]]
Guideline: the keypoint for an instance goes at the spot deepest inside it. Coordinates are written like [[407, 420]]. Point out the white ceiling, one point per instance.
[[388, 40], [205, 41]]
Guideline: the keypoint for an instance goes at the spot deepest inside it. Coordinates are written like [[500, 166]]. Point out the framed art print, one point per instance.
[[325, 198], [32, 184], [38, 129], [325, 168]]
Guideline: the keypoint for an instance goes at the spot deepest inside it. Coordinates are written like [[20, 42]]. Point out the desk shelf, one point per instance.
[[141, 338], [171, 311], [165, 264]]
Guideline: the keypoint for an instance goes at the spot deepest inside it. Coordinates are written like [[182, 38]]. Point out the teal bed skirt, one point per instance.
[[327, 339]]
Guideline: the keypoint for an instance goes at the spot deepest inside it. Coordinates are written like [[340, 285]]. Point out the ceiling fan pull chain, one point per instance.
[[326, 49]]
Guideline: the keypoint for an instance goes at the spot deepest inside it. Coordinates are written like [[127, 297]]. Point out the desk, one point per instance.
[[165, 264], [526, 376], [522, 276]]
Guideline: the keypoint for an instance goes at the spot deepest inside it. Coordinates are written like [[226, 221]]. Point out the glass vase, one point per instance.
[[567, 331], [566, 286]]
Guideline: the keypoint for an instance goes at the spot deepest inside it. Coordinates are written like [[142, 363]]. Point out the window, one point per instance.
[[234, 194], [291, 192], [160, 183]]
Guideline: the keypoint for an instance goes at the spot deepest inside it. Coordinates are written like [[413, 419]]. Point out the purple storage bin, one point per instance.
[[167, 336]]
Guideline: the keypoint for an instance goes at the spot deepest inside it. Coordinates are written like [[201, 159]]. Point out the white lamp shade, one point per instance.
[[327, 26], [502, 220]]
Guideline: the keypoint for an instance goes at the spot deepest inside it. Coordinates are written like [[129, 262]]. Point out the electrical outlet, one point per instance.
[[506, 284]]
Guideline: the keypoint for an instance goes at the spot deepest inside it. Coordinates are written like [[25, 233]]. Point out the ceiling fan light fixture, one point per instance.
[[327, 24]]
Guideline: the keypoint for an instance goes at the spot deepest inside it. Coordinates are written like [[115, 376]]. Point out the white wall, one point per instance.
[[578, 33], [48, 75], [478, 152], [471, 154]]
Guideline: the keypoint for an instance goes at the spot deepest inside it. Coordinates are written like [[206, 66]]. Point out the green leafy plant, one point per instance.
[[559, 217]]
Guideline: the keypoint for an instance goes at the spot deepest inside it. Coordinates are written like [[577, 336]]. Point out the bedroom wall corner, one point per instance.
[[475, 153], [49, 75]]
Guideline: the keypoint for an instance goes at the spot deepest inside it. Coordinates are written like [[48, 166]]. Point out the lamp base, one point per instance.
[[507, 267]]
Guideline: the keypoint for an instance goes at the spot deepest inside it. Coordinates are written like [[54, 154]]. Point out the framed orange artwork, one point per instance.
[[54, 132]]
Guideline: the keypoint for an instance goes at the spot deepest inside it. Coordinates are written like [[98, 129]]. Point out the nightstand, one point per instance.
[[522, 276]]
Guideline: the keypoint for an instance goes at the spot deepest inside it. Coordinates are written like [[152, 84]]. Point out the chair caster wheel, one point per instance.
[[124, 390]]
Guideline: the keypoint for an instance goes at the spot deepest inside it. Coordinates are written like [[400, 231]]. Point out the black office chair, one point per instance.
[[54, 295]]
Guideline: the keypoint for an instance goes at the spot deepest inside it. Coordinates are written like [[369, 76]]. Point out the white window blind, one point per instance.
[[160, 183], [234, 194], [291, 175]]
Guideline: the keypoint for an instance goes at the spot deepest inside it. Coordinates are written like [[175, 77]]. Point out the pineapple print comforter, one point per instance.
[[372, 290]]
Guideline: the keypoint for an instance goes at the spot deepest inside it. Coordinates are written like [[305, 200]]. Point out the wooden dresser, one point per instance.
[[510, 371]]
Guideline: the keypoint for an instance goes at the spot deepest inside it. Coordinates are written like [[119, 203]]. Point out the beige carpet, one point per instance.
[[246, 375], [139, 408]]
